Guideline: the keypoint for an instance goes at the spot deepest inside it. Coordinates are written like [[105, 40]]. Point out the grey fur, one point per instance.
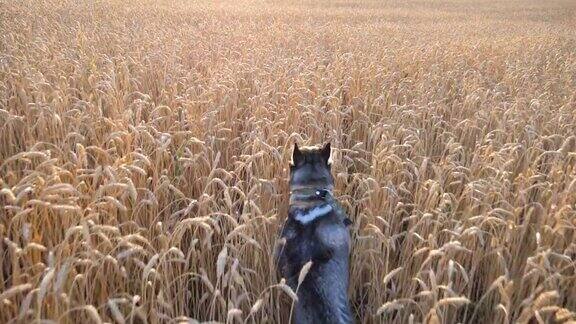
[[323, 295], [311, 168]]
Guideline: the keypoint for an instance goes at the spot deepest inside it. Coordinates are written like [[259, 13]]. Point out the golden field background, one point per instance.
[[144, 149]]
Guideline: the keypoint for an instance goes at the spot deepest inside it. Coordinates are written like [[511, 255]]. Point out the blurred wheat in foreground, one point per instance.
[[144, 149]]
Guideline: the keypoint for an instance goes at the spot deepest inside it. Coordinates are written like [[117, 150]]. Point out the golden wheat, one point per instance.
[[144, 149]]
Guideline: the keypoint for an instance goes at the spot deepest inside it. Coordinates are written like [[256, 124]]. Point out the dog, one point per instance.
[[316, 230]]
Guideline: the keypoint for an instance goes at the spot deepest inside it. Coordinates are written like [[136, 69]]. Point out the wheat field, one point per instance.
[[144, 149]]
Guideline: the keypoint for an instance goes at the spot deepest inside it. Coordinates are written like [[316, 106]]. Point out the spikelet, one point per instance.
[[221, 262], [9, 195], [563, 315], [545, 298], [256, 307], [234, 312], [115, 311], [304, 271], [388, 307], [456, 301], [432, 317], [569, 145], [391, 274], [15, 291], [45, 283], [91, 310], [288, 290], [149, 266]]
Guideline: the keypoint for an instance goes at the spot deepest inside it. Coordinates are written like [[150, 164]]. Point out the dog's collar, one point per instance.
[[307, 193], [309, 204]]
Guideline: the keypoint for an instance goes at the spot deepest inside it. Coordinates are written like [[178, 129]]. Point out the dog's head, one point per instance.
[[311, 168]]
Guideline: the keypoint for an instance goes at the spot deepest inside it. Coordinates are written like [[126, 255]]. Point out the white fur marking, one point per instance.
[[312, 214]]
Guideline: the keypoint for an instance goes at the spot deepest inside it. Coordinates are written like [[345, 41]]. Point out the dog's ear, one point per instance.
[[297, 156], [326, 153]]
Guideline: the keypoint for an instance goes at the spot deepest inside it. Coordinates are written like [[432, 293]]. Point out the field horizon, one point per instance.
[[144, 150]]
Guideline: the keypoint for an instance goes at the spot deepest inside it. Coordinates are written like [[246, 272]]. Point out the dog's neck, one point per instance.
[[306, 216], [307, 193], [308, 204], [299, 187]]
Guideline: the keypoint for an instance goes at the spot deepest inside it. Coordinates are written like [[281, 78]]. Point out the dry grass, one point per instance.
[[144, 147]]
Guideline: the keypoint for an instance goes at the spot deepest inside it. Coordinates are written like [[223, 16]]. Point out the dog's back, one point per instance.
[[323, 293]]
